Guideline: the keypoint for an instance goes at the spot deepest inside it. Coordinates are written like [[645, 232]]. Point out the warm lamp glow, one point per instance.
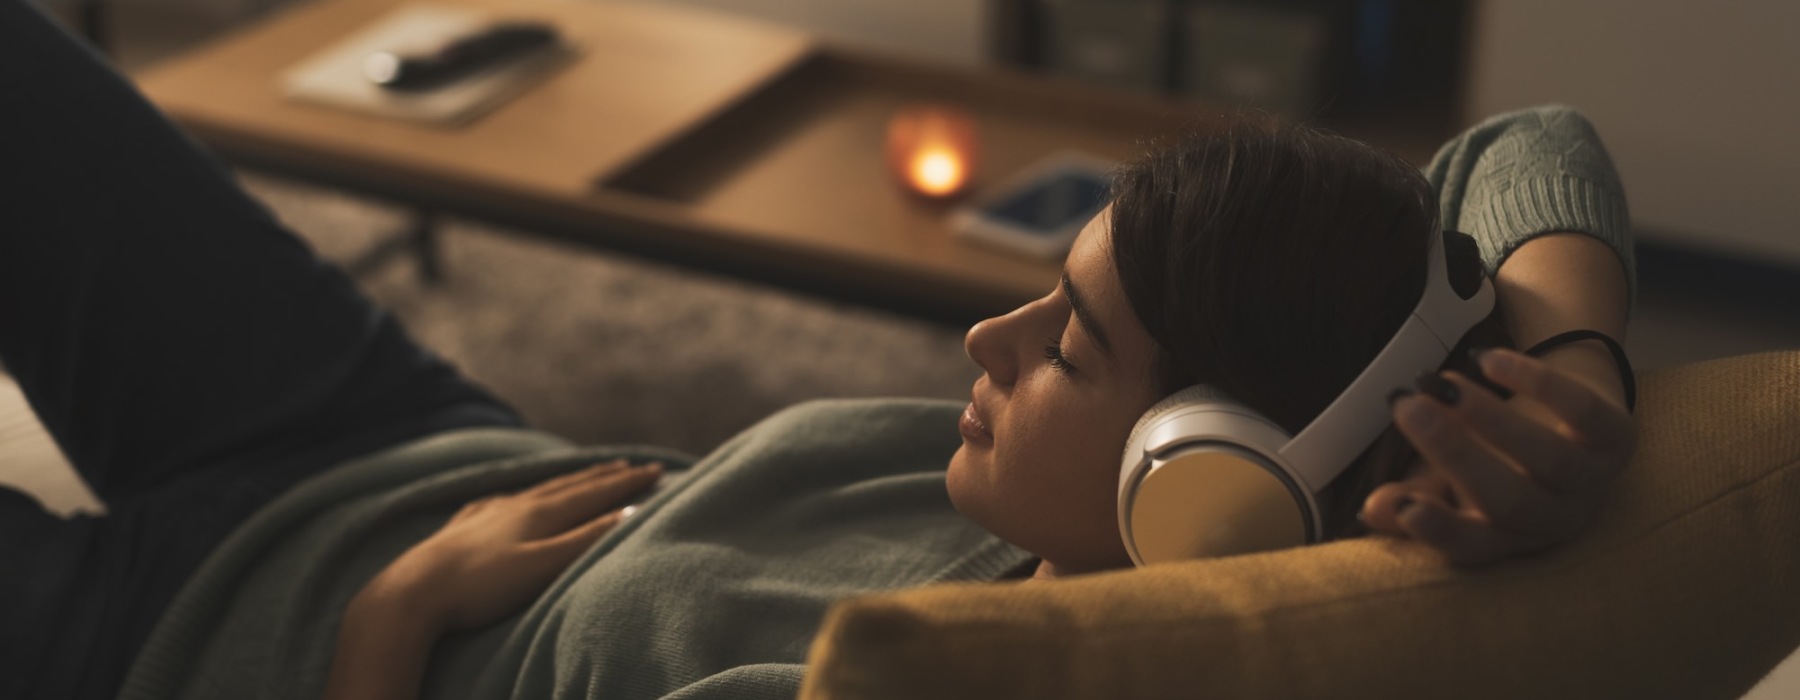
[[932, 149], [937, 172]]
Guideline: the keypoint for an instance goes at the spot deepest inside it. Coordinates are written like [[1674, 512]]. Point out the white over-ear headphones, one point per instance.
[[1206, 476]]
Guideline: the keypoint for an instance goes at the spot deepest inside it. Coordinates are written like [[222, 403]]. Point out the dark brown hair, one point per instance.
[[1273, 261]]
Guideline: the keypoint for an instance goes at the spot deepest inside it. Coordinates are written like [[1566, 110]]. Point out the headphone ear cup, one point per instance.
[[1198, 393], [1207, 500], [1213, 501]]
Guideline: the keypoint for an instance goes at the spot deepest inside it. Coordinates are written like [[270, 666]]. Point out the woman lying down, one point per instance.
[[305, 504]]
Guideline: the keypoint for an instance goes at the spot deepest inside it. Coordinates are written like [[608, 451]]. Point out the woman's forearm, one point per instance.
[[382, 648], [1561, 282], [1540, 195]]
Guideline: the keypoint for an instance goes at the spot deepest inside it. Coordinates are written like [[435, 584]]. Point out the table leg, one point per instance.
[[419, 238], [424, 235]]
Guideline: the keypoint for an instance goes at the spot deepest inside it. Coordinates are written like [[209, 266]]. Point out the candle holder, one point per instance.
[[933, 149]]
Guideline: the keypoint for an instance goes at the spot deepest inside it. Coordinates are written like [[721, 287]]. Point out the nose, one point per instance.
[[989, 344]]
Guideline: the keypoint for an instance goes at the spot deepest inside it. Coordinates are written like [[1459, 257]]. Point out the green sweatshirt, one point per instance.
[[715, 588]]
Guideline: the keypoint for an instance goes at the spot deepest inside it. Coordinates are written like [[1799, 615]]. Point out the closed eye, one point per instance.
[[1059, 362]]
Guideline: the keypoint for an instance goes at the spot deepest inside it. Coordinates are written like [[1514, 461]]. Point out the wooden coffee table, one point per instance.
[[702, 139]]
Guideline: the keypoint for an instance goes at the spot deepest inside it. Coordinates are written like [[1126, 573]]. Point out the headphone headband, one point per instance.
[[1356, 417]]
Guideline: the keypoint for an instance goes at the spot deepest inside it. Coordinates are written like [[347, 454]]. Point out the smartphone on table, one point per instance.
[[1039, 211]]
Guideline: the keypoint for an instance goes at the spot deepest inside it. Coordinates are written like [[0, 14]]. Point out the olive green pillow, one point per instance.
[[1688, 587]]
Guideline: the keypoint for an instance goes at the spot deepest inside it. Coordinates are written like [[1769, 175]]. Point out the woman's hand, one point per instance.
[[489, 560], [1502, 478], [498, 553]]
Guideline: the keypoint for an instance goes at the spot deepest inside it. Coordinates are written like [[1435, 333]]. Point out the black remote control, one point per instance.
[[458, 59]]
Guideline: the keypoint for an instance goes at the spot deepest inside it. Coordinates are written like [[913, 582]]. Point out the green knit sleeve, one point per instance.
[[1522, 174]]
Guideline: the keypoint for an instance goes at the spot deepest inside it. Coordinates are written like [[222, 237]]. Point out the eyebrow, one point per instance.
[[1085, 316]]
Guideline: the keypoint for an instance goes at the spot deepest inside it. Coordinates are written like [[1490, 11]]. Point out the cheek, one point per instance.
[[1051, 481], [1072, 476], [1068, 441]]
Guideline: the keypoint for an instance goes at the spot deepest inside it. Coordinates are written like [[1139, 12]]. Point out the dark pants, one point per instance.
[[191, 357]]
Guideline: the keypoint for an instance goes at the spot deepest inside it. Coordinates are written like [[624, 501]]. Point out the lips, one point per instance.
[[974, 430]]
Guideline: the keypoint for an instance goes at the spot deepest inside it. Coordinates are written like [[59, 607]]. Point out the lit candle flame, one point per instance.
[[932, 150], [937, 171]]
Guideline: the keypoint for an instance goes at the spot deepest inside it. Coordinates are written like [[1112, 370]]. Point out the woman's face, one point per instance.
[[1067, 376]]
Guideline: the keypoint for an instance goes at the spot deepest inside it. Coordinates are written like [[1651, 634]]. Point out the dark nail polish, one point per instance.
[[1398, 394], [1438, 388]]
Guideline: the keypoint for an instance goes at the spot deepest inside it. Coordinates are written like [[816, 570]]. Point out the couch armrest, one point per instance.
[[1685, 588]]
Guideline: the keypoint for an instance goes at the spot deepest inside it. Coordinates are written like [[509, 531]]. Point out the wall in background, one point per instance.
[[1697, 102]]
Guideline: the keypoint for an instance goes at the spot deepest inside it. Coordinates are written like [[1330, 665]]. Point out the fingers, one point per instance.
[[1463, 539], [581, 500], [1520, 443], [564, 548], [1413, 509], [1482, 478], [1381, 510], [1593, 420], [1514, 475], [1479, 477], [549, 486]]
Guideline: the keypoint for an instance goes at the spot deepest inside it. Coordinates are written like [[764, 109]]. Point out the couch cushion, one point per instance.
[[1685, 588]]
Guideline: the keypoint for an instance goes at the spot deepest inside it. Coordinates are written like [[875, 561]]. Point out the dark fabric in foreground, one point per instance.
[[190, 356]]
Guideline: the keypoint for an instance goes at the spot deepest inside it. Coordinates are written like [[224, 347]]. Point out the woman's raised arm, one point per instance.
[[1540, 195]]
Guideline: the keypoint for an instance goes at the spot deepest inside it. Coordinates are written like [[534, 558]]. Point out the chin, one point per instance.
[[956, 480], [969, 481], [973, 494]]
